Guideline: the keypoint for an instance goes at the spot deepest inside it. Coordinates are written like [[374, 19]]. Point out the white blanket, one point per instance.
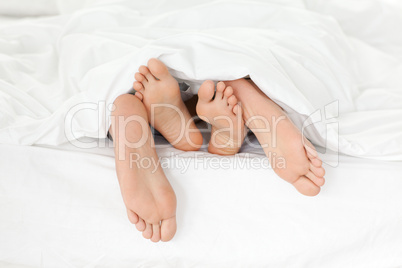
[[339, 62]]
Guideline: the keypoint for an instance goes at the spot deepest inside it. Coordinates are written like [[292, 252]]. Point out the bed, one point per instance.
[[60, 205], [232, 213]]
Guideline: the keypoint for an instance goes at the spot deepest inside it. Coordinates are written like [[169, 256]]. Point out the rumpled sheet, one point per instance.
[[334, 66]]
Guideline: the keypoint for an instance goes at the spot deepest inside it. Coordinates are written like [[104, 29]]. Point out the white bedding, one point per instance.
[[61, 207]]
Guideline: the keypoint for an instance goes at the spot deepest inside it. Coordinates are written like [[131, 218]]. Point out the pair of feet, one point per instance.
[[168, 114], [148, 196]]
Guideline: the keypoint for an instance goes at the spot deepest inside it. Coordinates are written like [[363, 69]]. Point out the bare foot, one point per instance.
[[291, 155], [147, 194], [224, 114], [160, 93]]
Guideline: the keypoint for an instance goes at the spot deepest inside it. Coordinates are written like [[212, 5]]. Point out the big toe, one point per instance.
[[168, 229], [158, 69], [206, 91]]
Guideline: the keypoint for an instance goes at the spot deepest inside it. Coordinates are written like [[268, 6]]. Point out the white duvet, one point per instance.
[[336, 64]]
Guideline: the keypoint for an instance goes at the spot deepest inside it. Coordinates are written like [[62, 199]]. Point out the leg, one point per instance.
[[299, 162], [147, 194], [225, 116], [160, 93]]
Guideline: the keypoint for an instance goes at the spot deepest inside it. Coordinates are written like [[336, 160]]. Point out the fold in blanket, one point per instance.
[[338, 81]]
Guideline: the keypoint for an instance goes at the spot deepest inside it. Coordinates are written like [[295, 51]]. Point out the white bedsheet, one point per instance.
[[61, 207], [305, 60]]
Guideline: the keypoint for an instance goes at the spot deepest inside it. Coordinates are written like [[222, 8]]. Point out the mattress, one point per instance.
[[61, 207]]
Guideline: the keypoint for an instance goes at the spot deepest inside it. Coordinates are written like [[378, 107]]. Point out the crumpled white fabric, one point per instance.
[[336, 64]]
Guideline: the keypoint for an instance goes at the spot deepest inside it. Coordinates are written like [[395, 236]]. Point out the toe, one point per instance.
[[140, 225], [147, 233], [132, 216], [158, 69], [139, 95], [145, 72], [232, 101], [317, 162], [319, 181], [138, 86], [310, 149], [318, 171], [228, 92], [237, 110], [156, 232], [206, 91], [312, 153], [305, 186], [140, 78], [168, 229], [220, 87]]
